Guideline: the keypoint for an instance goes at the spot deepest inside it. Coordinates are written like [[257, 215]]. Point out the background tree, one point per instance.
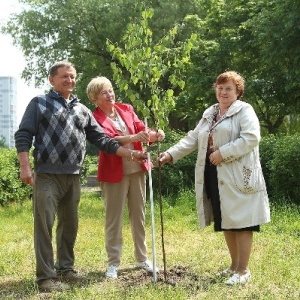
[[251, 38], [217, 50], [275, 39], [47, 31], [248, 36]]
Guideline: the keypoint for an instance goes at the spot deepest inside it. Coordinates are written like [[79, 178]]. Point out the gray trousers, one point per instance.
[[55, 195], [131, 190]]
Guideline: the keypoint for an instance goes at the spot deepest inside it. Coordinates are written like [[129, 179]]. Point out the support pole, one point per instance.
[[152, 210]]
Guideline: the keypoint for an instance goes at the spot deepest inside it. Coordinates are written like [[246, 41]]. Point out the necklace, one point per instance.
[[219, 112], [112, 115], [118, 123]]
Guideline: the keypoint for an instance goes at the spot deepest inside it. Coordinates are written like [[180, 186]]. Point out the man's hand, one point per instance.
[[26, 175], [138, 156]]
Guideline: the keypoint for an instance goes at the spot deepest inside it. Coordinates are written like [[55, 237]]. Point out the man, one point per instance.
[[59, 125]]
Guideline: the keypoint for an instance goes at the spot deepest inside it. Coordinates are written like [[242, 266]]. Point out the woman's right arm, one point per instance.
[[163, 158], [183, 147], [141, 136]]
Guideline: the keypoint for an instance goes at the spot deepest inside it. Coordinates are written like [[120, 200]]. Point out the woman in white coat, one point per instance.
[[229, 184]]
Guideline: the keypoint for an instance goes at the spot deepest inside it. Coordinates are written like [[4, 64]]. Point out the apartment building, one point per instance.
[[8, 109]]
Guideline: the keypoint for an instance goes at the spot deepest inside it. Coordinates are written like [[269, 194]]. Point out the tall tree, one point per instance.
[[259, 39], [212, 54], [51, 30]]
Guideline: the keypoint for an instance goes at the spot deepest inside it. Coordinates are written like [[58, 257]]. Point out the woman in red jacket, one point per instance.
[[121, 179]]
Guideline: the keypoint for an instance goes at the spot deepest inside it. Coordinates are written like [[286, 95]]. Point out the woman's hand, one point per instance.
[[141, 136], [146, 137], [160, 135], [164, 158], [215, 158], [156, 136]]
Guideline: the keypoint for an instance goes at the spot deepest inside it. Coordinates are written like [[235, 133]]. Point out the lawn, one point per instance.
[[193, 256]]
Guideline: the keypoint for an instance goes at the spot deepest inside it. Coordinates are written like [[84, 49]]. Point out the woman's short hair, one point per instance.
[[95, 86], [235, 77]]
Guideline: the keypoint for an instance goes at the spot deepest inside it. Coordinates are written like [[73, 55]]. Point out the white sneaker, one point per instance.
[[112, 272], [146, 265], [237, 278]]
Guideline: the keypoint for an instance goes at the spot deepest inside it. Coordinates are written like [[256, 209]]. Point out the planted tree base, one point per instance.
[[177, 275]]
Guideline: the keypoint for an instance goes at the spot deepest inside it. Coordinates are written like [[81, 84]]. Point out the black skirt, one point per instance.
[[212, 190]]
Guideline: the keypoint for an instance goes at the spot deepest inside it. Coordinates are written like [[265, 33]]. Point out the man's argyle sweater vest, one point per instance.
[[59, 145]]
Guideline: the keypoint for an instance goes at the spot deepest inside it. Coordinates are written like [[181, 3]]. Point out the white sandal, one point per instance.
[[237, 278], [226, 273]]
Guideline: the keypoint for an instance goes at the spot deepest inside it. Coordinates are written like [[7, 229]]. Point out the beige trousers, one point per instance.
[[130, 190]]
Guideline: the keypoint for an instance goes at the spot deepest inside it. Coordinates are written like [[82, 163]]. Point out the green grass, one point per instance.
[[274, 262]]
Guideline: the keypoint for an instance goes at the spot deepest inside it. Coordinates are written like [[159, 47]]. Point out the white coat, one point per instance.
[[243, 196]]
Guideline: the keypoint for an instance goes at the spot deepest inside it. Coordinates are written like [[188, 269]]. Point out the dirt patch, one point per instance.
[[177, 275]]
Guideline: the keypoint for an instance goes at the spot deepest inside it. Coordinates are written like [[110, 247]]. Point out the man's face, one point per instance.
[[64, 81]]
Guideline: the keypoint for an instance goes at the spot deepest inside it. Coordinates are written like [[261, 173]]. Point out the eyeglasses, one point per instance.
[[107, 92]]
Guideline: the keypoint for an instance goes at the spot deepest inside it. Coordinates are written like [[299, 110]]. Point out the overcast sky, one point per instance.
[[12, 61]]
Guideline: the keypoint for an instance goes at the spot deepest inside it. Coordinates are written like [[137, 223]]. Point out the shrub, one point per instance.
[[279, 160], [267, 151], [89, 166], [284, 169], [11, 188]]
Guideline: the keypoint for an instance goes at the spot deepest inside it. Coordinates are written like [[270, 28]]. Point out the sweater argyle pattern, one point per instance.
[[61, 139]]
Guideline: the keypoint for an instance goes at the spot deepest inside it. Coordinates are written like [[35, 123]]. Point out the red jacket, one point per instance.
[[110, 166]]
